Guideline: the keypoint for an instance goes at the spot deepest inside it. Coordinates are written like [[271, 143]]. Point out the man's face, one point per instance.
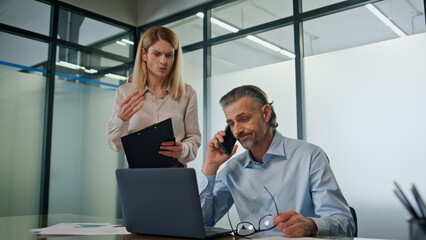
[[248, 121]]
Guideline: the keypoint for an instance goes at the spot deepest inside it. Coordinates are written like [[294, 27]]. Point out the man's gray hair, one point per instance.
[[253, 92]]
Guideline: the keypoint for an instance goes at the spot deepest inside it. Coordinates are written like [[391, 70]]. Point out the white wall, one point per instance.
[[365, 107]]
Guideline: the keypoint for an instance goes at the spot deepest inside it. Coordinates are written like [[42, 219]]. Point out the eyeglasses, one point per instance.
[[247, 228]]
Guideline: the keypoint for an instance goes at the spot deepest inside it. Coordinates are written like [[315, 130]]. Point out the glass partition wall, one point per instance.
[[58, 82], [345, 75], [85, 83], [22, 90]]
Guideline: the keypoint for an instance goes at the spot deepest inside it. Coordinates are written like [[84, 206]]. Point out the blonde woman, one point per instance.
[[155, 92]]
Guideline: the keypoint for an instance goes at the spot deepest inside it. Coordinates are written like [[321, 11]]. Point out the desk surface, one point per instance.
[[18, 228]]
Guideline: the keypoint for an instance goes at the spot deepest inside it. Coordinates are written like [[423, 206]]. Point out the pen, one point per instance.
[[404, 200], [419, 200]]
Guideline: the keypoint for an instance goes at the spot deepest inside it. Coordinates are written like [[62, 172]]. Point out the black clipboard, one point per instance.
[[141, 148]]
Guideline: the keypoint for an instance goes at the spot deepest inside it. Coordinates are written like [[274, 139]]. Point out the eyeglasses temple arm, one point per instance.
[[230, 224], [276, 207]]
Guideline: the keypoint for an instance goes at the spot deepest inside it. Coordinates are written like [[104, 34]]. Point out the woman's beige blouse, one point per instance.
[[184, 116]]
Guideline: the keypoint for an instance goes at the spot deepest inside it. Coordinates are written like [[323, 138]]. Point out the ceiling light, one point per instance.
[[69, 65], [76, 67], [127, 41], [219, 23], [250, 37], [200, 14], [385, 20], [120, 43], [90, 70], [224, 25], [263, 43], [271, 46], [287, 53], [119, 77]]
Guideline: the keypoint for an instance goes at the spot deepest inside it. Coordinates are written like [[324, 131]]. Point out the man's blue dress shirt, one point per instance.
[[297, 174]]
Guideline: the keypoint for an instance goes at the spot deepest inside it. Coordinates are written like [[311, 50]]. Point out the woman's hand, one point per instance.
[[130, 105], [171, 149]]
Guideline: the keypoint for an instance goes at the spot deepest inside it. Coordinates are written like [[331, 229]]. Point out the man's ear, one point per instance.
[[266, 112], [143, 54]]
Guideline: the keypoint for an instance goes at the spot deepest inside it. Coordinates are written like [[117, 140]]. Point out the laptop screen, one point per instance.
[[161, 201]]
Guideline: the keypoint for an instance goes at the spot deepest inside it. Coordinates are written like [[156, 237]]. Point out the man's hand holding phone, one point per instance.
[[219, 150]]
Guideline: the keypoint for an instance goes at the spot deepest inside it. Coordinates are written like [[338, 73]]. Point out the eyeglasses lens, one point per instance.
[[266, 223], [245, 229]]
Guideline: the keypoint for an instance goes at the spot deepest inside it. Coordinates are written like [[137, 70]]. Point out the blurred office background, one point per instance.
[[348, 76]]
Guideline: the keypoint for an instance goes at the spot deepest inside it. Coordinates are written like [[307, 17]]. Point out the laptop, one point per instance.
[[141, 147], [163, 202]]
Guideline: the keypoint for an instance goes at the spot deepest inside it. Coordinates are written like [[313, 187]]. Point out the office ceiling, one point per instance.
[[338, 31], [342, 30]]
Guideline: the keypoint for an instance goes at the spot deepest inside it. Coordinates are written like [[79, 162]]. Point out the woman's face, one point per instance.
[[159, 59]]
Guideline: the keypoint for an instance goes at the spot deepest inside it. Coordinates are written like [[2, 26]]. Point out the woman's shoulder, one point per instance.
[[189, 87], [189, 90], [126, 87]]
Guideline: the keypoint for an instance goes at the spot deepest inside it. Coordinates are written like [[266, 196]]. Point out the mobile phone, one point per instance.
[[228, 141]]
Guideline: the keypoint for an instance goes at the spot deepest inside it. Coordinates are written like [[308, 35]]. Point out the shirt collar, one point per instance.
[[275, 149], [165, 92], [145, 91]]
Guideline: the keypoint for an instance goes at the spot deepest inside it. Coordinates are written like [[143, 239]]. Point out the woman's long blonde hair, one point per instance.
[[139, 76]]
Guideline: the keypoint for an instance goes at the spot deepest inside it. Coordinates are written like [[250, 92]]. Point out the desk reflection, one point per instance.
[[19, 227]]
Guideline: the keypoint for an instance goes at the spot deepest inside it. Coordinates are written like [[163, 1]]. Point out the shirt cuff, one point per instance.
[[185, 151], [322, 227], [206, 183], [118, 123]]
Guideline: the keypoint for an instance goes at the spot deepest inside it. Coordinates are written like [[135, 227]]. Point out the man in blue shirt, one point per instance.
[[297, 175]]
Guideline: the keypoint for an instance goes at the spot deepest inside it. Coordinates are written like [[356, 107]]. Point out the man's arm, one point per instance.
[[214, 194], [215, 198], [335, 218]]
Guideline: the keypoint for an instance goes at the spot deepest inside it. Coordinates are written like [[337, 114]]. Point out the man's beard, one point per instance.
[[249, 141]]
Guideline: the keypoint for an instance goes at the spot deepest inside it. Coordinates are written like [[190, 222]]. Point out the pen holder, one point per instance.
[[417, 229]]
